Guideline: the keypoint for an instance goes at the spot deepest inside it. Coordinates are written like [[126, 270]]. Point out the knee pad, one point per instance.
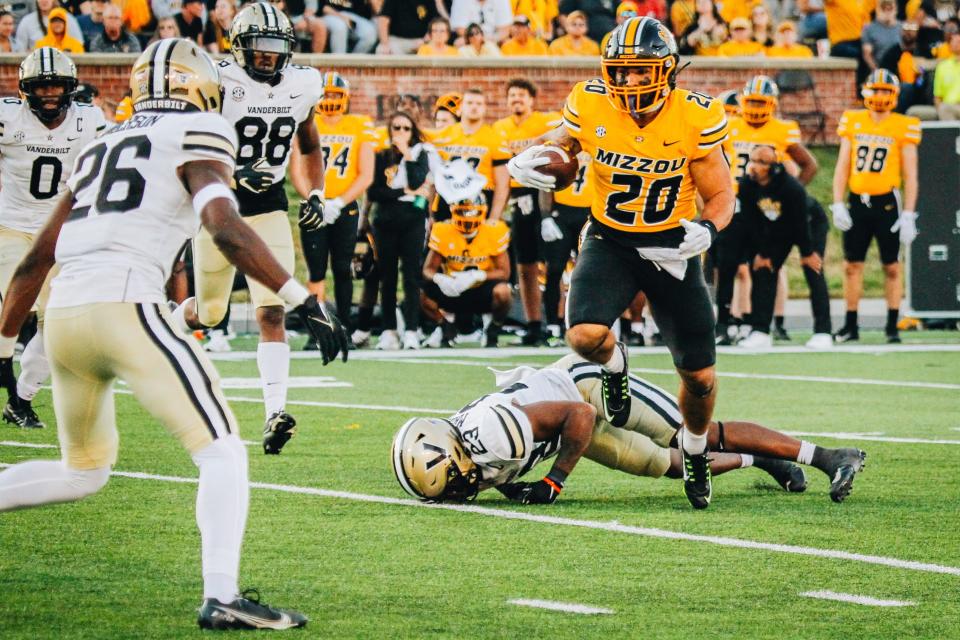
[[227, 450], [211, 313], [86, 482]]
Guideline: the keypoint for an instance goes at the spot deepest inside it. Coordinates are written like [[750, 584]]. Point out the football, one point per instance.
[[563, 166]]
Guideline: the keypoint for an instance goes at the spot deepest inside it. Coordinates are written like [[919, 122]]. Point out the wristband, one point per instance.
[[557, 477], [316, 192], [7, 346], [293, 293], [712, 228], [211, 192]]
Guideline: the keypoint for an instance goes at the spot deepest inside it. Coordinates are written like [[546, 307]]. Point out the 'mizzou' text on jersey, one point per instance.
[[640, 165]]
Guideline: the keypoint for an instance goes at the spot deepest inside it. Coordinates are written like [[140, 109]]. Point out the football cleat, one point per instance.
[[389, 341], [847, 334], [788, 475], [218, 342], [697, 478], [491, 336], [434, 340], [893, 337], [616, 391], [247, 612], [819, 341], [756, 340], [842, 468], [779, 333], [411, 341], [277, 431], [360, 338], [20, 412]]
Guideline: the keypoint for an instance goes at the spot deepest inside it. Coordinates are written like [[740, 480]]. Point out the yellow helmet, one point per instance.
[[449, 102], [731, 103], [885, 82], [431, 463], [469, 214], [43, 67], [640, 43], [175, 74], [261, 28], [336, 94], [758, 101]]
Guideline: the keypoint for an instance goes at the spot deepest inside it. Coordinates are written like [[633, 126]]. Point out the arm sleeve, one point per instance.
[[379, 190]]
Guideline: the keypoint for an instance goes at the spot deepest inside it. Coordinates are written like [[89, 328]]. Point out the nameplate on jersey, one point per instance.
[[638, 164]]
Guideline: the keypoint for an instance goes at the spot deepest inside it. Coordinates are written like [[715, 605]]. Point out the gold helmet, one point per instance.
[[758, 101], [469, 214], [336, 94], [731, 103], [881, 90], [449, 102], [261, 28], [48, 67], [645, 45], [431, 463], [175, 74]]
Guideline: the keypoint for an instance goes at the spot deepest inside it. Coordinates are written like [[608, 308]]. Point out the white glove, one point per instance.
[[331, 210], [448, 286], [466, 280], [550, 231], [907, 225], [522, 168], [696, 240], [841, 217]]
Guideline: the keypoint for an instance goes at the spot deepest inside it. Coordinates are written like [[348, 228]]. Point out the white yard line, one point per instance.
[[855, 599], [867, 437], [566, 607], [613, 526], [27, 445]]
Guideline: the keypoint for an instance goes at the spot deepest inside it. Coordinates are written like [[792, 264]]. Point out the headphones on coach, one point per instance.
[[776, 169]]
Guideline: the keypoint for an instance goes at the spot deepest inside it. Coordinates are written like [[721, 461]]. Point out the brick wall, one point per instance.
[[377, 81]]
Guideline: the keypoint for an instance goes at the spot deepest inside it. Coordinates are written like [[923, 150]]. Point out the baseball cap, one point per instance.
[[627, 8], [786, 25], [521, 20], [739, 23]]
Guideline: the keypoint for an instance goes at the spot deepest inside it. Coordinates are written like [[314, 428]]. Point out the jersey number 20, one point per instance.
[[658, 204]]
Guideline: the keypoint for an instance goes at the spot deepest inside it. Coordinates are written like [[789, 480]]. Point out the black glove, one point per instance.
[[311, 213], [540, 492], [254, 177], [325, 328]]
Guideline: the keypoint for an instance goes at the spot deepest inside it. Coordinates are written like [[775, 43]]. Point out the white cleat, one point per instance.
[[411, 340], [218, 342], [434, 340], [388, 341], [820, 341], [756, 340], [360, 338]]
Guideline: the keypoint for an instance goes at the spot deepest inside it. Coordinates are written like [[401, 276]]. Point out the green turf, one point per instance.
[[125, 563]]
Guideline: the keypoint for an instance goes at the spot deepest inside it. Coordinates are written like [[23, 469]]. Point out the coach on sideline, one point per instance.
[[779, 214]]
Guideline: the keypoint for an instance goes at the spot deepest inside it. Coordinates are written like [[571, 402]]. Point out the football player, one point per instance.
[[347, 142], [446, 110], [40, 136], [521, 128], [268, 101], [878, 153], [135, 196], [557, 411], [653, 148]]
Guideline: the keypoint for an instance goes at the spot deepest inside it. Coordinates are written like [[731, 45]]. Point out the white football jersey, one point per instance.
[[266, 118], [35, 161], [132, 213], [498, 435]]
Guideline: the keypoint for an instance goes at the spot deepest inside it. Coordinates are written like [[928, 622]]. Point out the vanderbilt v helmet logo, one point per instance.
[[441, 455]]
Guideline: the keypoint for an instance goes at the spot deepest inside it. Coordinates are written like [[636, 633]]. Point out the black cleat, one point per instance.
[[697, 478], [842, 468], [779, 333], [616, 391], [277, 431], [788, 475], [893, 337], [20, 412], [247, 612], [847, 334], [491, 336], [533, 338]]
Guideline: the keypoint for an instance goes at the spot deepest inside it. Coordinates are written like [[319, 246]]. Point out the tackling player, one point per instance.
[[556, 411], [136, 195], [878, 152], [268, 101], [40, 136], [653, 148]]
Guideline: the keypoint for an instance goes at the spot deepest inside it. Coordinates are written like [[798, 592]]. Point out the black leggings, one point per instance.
[[335, 244], [399, 230]]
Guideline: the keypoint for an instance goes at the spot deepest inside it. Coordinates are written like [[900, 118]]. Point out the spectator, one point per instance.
[[303, 16], [165, 8], [881, 34], [601, 12], [785, 43], [477, 45], [190, 20], [682, 14], [166, 28], [345, 18], [522, 41], [33, 26], [741, 42], [762, 26], [901, 60], [652, 9], [402, 25], [930, 33], [946, 84], [57, 36], [136, 15], [813, 26], [541, 14], [625, 10], [439, 36], [730, 9], [216, 35], [942, 50], [493, 16], [845, 21], [707, 32], [114, 39], [91, 24], [7, 42], [576, 42]]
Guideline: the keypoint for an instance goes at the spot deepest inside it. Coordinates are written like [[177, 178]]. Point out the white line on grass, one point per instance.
[[613, 526], [566, 607], [855, 599], [869, 437], [27, 445]]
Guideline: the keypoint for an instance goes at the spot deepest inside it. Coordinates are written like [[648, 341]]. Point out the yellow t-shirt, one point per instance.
[[682, 15], [743, 139], [460, 253], [533, 47], [580, 193], [845, 19], [733, 49], [521, 135], [429, 50], [484, 149], [340, 143], [642, 175], [875, 149], [540, 12], [793, 51], [564, 46], [730, 9]]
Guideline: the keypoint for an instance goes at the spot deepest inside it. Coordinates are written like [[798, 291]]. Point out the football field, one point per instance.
[[331, 533]]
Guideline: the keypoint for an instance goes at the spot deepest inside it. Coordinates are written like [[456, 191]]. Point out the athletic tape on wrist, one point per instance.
[[293, 293], [211, 192]]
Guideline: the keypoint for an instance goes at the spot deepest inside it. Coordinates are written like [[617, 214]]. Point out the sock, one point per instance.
[[778, 322], [851, 320], [37, 482], [34, 368], [892, 316], [746, 460], [223, 498], [615, 364], [534, 326], [820, 458], [636, 327], [806, 452], [626, 327], [364, 318], [273, 361], [179, 320], [693, 443]]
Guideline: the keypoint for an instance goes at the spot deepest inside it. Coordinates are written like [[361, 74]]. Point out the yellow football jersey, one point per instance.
[[743, 139], [580, 193], [521, 135], [875, 149], [484, 149], [460, 253], [642, 175], [340, 142]]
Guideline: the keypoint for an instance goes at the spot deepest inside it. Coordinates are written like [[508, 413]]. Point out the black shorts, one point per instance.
[[525, 225], [608, 276], [335, 242], [477, 300], [870, 221], [732, 245], [571, 221]]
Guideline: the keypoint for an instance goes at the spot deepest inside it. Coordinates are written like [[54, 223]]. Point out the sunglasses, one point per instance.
[[401, 127]]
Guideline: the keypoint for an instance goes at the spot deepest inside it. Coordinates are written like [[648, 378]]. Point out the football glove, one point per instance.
[[465, 280], [523, 169], [550, 231], [254, 177], [841, 216], [331, 212], [312, 212], [697, 238], [906, 224], [543, 491], [324, 328], [448, 286]]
